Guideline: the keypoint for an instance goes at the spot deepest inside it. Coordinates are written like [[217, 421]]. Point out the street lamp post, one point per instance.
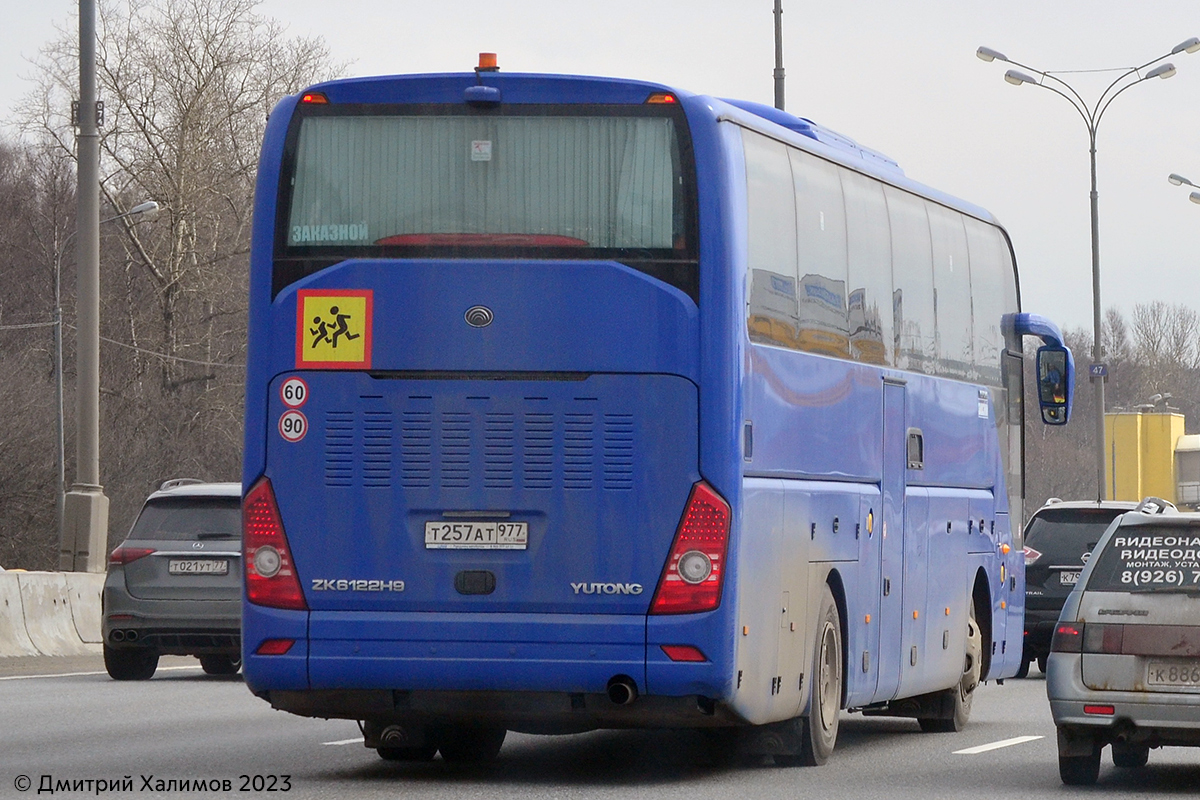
[[1179, 180], [146, 211], [1091, 117], [779, 54]]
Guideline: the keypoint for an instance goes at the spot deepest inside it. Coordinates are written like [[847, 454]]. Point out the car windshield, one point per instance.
[[1149, 558], [1063, 535], [189, 519]]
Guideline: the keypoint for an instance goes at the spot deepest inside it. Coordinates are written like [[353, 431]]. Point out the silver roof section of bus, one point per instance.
[[835, 147]]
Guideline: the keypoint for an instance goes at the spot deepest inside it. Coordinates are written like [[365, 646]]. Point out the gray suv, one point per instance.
[[174, 585], [1124, 665]]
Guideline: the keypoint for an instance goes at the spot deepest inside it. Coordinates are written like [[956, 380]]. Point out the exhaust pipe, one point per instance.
[[117, 636], [622, 690], [131, 636]]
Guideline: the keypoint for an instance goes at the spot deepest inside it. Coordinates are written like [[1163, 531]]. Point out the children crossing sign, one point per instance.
[[333, 329]]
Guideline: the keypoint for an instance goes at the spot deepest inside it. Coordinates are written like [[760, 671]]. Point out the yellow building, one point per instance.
[[1141, 454]]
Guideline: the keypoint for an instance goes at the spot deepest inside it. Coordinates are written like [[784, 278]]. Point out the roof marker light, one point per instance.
[[662, 98], [314, 98]]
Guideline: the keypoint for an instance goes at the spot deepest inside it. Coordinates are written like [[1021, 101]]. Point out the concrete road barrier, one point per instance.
[[14, 641], [50, 613], [83, 592]]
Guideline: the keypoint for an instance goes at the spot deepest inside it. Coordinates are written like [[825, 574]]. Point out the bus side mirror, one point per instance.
[[1054, 378]]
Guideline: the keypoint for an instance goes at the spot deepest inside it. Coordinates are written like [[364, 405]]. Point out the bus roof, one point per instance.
[[516, 87]]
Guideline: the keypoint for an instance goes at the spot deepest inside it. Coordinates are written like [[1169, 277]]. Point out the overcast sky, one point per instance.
[[899, 76]]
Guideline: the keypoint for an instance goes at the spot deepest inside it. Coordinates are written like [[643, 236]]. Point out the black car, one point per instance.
[[1059, 540], [174, 585]]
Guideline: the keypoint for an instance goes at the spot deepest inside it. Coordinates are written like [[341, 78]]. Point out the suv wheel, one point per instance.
[[130, 665], [221, 665]]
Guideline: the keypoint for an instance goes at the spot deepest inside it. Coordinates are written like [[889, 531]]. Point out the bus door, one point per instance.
[[889, 539]]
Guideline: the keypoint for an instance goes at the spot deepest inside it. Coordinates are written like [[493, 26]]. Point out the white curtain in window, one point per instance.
[[607, 181]]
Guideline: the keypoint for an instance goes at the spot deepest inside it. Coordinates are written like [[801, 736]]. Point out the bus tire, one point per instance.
[[220, 665], [469, 744], [962, 694], [818, 733], [424, 752]]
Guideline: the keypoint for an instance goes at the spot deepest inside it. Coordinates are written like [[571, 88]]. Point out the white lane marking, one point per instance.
[[77, 674], [983, 748], [356, 740]]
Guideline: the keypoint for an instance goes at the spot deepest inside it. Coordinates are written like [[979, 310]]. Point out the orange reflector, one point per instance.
[[488, 62], [1004, 604], [745, 630], [275, 647], [868, 619], [683, 652], [915, 614], [661, 98], [315, 98], [1105, 710]]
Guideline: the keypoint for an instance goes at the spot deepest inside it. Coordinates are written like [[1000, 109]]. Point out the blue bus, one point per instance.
[[578, 403]]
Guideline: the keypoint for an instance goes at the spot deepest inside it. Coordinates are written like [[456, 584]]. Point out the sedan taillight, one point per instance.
[[1068, 638], [125, 555]]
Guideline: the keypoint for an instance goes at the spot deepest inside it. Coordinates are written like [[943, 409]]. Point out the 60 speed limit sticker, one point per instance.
[[293, 425], [293, 392]]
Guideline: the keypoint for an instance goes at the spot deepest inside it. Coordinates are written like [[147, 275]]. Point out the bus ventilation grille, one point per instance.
[[498, 450]]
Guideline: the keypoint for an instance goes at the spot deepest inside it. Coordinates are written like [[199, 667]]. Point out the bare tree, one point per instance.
[[187, 87]]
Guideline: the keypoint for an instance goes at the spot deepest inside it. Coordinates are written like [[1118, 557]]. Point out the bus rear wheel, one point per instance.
[[818, 734], [962, 694], [424, 752], [469, 744]]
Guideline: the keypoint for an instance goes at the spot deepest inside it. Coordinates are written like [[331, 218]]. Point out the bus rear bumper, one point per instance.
[[527, 712], [358, 665]]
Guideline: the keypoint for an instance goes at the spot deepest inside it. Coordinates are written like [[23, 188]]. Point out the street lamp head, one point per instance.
[[1017, 78], [146, 210], [1176, 179], [988, 54], [1194, 197], [1189, 46], [1163, 71]]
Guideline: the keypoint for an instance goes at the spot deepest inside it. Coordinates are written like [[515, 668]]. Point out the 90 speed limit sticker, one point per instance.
[[293, 425]]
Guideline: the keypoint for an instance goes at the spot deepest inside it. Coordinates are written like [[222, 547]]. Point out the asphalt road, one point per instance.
[[65, 719]]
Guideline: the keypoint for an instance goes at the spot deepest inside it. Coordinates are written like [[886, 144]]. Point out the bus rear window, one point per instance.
[[594, 183]]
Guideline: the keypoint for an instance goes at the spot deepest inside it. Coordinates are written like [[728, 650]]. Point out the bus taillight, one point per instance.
[[692, 579], [270, 577]]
